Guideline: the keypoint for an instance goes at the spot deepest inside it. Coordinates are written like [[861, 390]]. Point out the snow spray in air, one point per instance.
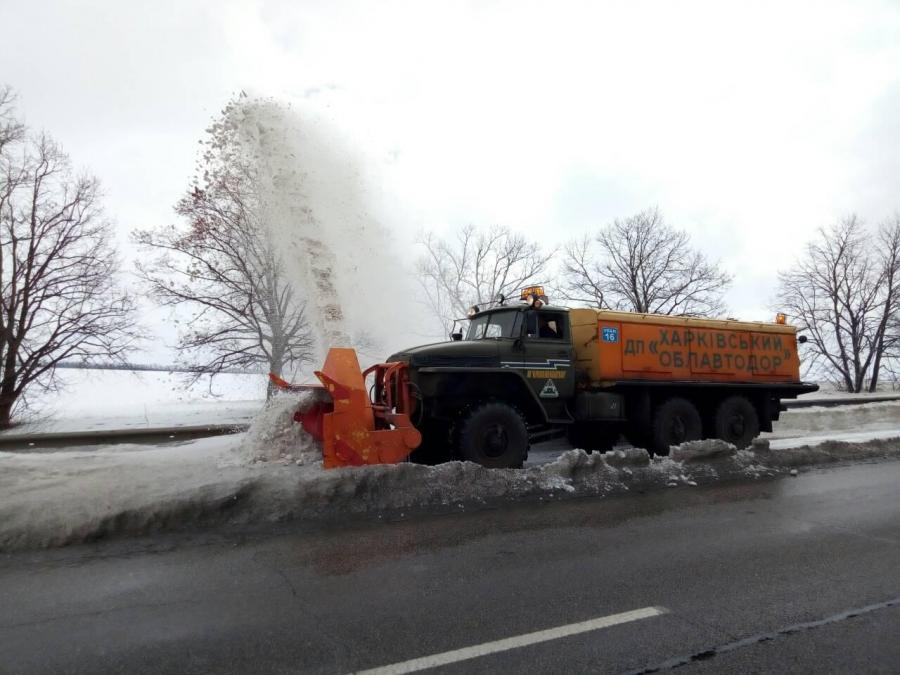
[[319, 210]]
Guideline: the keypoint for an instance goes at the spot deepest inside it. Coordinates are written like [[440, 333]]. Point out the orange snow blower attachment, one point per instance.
[[355, 430]]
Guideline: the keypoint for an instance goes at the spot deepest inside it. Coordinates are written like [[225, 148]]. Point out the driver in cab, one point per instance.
[[546, 329]]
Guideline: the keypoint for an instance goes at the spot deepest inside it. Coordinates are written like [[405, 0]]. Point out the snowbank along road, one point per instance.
[[66, 497]]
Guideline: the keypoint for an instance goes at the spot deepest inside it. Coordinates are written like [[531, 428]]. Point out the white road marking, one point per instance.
[[442, 659]]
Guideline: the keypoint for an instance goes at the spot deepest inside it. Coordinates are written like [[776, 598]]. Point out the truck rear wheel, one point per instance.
[[736, 421], [494, 435], [675, 421]]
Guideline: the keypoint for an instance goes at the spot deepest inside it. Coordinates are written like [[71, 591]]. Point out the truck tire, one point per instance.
[[592, 436], [675, 421], [736, 421], [494, 435]]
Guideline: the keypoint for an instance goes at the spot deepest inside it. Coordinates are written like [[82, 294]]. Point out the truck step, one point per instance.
[[540, 433]]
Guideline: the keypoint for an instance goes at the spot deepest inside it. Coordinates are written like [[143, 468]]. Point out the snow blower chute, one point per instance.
[[354, 429]]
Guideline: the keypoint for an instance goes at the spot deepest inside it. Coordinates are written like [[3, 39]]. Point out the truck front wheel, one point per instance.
[[494, 435], [736, 421], [676, 421]]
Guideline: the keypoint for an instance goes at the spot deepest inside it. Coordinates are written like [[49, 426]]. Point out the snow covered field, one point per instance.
[[53, 498], [851, 423], [116, 399]]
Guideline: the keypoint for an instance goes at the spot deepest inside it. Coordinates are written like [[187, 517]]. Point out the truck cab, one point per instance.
[[511, 367]]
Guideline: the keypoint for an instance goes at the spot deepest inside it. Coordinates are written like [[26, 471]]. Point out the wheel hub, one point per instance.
[[736, 426], [677, 430], [496, 440]]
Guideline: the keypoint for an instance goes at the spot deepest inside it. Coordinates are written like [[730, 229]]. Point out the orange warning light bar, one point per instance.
[[537, 291]]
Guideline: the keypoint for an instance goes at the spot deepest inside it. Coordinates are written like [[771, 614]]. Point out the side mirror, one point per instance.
[[802, 339], [456, 337]]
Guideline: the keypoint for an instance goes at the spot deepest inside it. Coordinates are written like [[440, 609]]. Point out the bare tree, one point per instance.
[[58, 293], [583, 274], [475, 267], [640, 264], [843, 294], [223, 266], [888, 328], [11, 129]]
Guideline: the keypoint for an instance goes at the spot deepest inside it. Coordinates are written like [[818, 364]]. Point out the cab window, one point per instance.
[[476, 328], [547, 325], [494, 325]]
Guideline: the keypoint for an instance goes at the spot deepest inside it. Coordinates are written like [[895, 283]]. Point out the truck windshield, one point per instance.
[[495, 325]]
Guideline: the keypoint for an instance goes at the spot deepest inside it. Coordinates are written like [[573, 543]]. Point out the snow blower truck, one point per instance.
[[529, 371]]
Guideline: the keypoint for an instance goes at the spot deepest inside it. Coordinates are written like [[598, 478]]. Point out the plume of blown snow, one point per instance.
[[321, 211], [274, 435]]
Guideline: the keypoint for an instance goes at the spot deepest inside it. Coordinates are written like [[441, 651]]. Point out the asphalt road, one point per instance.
[[789, 575]]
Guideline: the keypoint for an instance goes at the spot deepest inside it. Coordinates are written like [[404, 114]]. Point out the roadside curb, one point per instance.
[[135, 434]]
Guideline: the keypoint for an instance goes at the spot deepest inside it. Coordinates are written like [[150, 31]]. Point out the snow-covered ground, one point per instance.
[[73, 495], [877, 419], [81, 494], [92, 400]]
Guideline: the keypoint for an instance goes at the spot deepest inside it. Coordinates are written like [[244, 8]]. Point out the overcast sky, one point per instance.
[[749, 124]]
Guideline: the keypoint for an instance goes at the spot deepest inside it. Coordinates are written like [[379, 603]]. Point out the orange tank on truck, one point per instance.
[[613, 346]]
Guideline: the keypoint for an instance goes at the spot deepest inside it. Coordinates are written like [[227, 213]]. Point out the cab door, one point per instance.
[[548, 359]]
